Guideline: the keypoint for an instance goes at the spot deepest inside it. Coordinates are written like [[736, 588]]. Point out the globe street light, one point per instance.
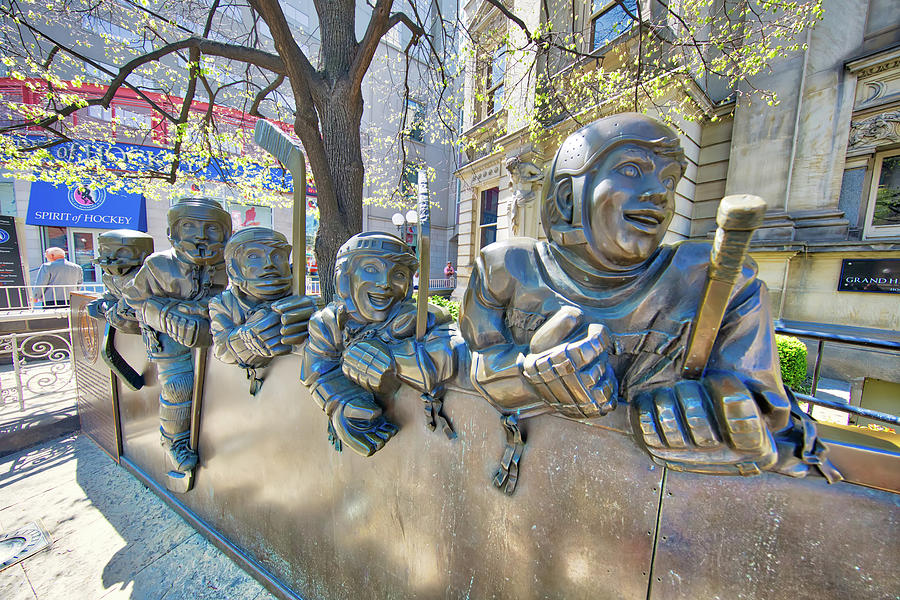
[[399, 220]]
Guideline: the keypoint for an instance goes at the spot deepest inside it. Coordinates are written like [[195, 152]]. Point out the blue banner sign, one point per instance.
[[86, 208], [140, 159]]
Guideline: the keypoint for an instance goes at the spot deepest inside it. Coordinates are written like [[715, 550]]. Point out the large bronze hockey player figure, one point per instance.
[[257, 318], [602, 312], [120, 253], [364, 343], [170, 295]]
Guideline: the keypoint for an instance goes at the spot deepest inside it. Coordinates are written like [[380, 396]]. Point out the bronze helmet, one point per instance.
[[204, 209], [122, 250], [562, 202]]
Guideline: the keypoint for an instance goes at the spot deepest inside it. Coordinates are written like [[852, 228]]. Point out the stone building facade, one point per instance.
[[826, 158]]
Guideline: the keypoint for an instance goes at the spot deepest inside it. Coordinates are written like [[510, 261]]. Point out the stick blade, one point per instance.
[[274, 141]]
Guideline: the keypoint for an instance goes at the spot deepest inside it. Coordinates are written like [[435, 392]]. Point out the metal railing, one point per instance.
[[42, 364], [25, 297], [819, 333], [442, 284]]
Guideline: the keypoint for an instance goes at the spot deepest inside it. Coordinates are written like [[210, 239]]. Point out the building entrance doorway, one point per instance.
[[82, 250]]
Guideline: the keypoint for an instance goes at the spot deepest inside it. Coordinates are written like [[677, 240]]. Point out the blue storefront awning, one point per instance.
[[85, 208]]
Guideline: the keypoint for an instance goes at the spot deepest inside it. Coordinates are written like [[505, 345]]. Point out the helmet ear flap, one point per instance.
[[234, 270], [565, 199]]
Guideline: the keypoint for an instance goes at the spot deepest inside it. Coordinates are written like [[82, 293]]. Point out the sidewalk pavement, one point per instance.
[[112, 537], [836, 391], [48, 391]]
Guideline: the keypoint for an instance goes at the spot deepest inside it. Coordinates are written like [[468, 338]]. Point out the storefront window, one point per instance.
[[54, 236]]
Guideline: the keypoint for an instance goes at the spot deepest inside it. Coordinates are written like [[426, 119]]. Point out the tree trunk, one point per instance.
[[340, 111], [341, 216]]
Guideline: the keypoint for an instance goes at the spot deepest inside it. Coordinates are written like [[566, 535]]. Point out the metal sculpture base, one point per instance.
[[270, 478]]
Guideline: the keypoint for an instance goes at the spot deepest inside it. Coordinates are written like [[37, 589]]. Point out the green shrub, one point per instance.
[[792, 356], [452, 306]]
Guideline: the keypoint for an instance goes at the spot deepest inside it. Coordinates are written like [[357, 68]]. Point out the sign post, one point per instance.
[[424, 210]]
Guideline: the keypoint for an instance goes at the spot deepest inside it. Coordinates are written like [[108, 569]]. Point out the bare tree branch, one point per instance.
[[254, 108]]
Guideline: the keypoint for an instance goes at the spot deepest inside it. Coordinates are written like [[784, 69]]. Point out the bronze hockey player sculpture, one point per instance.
[[601, 313], [364, 343], [120, 254], [257, 318], [170, 294]]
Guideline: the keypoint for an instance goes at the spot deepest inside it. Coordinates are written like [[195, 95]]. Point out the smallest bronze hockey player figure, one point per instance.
[[120, 254]]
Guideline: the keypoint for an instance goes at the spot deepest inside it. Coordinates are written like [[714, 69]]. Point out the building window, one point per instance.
[[53, 236], [883, 216], [415, 120], [409, 186], [487, 224], [609, 20], [8, 200], [491, 76]]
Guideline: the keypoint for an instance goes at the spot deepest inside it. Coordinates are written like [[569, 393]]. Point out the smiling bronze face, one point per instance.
[[377, 284], [630, 201]]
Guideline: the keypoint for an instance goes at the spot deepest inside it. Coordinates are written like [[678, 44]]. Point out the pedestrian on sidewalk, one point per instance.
[[57, 271]]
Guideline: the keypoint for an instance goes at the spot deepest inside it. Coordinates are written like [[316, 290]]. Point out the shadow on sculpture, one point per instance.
[[120, 253], [602, 314], [257, 318], [363, 344], [170, 295]]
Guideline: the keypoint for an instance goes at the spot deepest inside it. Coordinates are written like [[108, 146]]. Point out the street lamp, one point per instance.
[[400, 220]]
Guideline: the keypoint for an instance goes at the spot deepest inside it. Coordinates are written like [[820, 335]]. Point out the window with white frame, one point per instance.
[[610, 19], [491, 76], [883, 209], [249, 215]]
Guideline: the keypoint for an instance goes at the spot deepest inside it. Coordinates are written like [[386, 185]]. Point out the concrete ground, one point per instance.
[[112, 537], [48, 392], [836, 391]]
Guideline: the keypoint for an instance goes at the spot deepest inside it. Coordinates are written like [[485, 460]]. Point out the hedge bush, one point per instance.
[[452, 306], [792, 356]]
